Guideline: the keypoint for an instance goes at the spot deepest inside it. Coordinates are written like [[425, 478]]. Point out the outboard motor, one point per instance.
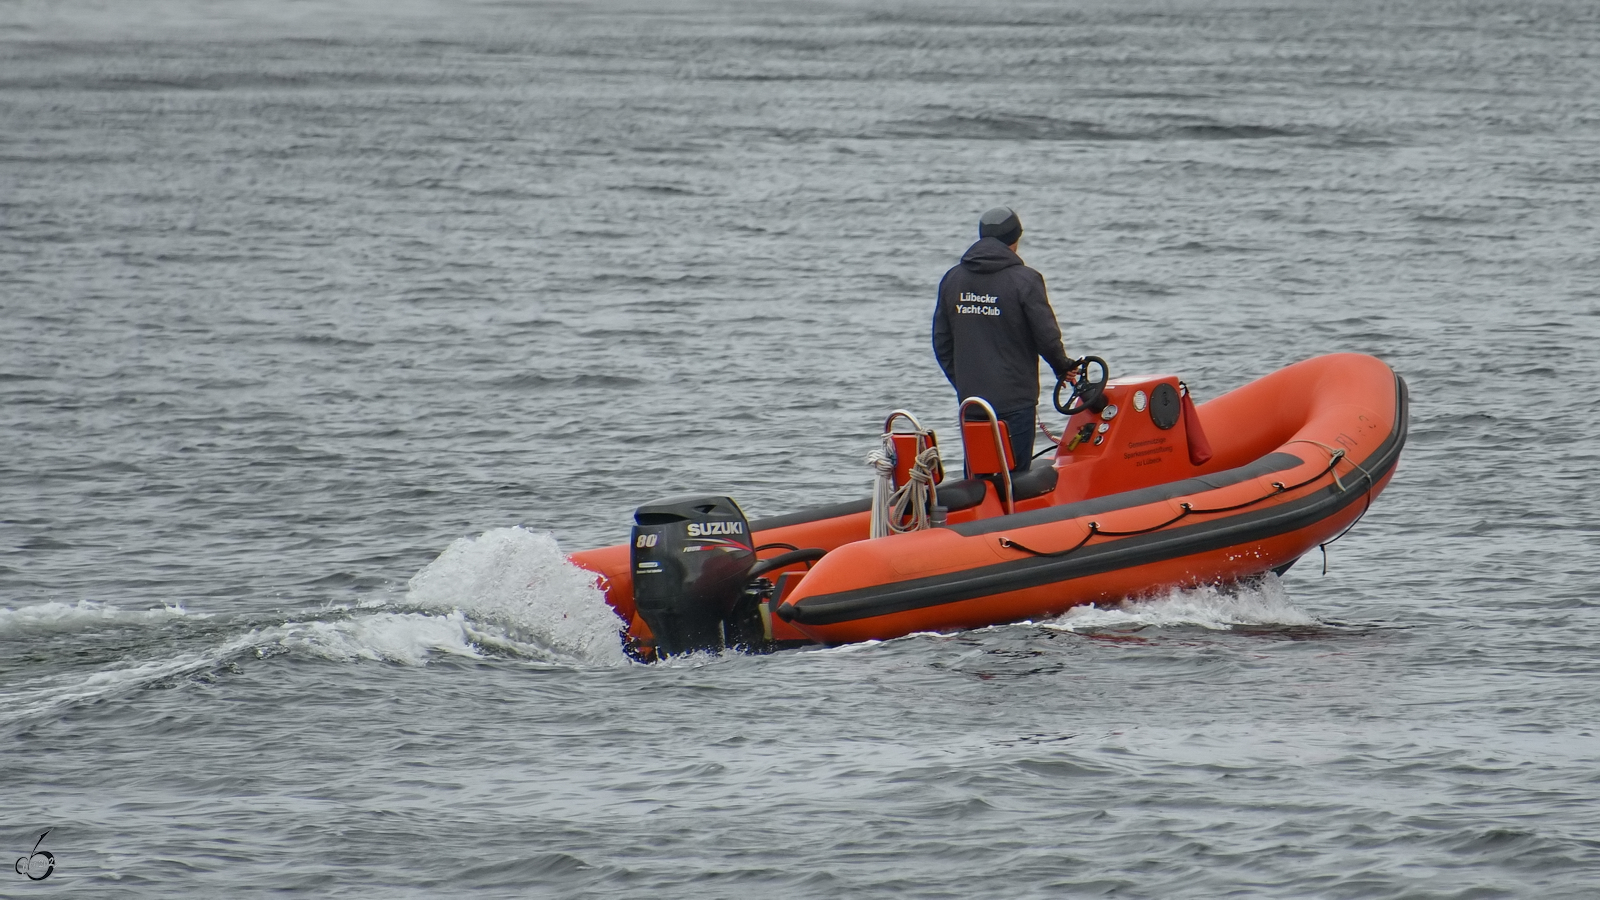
[[691, 561]]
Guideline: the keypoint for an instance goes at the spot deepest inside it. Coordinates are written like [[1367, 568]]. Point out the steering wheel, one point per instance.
[[1087, 393]]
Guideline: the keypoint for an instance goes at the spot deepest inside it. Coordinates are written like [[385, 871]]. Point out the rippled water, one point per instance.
[[323, 323]]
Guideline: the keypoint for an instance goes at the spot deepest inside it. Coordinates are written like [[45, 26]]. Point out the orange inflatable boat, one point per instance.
[[1143, 491]]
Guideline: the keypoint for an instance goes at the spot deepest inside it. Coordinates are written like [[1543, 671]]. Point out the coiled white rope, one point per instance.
[[914, 500]]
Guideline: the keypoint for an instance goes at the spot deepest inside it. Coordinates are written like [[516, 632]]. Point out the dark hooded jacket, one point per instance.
[[992, 325]]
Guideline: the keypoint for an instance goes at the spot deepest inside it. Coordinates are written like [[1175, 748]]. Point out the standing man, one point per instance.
[[992, 325]]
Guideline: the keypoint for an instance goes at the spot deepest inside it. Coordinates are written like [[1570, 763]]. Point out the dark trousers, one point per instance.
[[1020, 424]]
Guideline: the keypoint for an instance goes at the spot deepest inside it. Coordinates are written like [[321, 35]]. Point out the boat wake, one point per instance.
[[508, 594], [45, 618], [1259, 603], [405, 638], [521, 586]]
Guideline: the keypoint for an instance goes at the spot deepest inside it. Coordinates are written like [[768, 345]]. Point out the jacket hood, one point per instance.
[[989, 255]]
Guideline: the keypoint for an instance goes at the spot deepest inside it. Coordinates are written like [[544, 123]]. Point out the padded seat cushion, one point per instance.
[[968, 492]]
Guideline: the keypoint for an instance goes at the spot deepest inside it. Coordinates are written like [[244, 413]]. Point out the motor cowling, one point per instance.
[[691, 562]]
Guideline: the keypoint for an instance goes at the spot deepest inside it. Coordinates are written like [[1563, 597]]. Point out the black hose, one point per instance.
[[786, 559]]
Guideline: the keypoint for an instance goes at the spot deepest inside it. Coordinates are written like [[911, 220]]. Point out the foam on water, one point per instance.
[[509, 592], [1262, 602], [405, 638], [43, 694], [411, 639], [521, 581], [81, 616]]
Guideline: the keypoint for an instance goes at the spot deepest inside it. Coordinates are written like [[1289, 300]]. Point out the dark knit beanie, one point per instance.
[[1000, 223]]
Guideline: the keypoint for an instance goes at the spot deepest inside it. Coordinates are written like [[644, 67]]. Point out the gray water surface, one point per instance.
[[325, 328]]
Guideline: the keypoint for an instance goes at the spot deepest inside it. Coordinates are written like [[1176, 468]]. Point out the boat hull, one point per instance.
[[1298, 457]]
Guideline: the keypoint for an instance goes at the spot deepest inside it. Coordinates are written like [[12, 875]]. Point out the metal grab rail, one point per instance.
[[1000, 444]]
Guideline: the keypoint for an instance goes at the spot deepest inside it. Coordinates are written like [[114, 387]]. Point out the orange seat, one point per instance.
[[983, 457], [987, 445]]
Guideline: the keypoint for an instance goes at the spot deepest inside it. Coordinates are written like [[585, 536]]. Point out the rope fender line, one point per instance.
[[1339, 453], [1324, 545], [1336, 454], [1009, 544]]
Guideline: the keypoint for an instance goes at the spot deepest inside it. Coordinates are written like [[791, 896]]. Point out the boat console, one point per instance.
[[1138, 438]]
